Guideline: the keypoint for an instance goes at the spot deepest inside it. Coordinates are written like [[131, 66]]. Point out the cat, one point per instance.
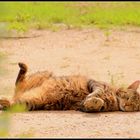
[[45, 91]]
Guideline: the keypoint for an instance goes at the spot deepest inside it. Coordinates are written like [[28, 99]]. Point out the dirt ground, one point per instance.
[[88, 52]]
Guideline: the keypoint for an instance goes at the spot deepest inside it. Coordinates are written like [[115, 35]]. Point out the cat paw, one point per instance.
[[4, 104], [92, 105]]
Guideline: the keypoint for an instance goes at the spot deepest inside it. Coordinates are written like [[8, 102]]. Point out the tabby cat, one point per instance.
[[44, 91]]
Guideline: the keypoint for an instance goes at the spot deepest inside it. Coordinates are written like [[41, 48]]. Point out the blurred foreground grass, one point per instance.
[[5, 122], [22, 16]]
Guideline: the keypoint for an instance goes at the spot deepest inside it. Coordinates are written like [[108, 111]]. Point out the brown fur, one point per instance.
[[107, 98], [44, 91], [25, 83]]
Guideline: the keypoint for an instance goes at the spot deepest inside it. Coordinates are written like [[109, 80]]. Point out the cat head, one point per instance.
[[129, 98]]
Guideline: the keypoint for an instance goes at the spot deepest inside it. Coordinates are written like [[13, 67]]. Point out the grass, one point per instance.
[[4, 124], [107, 34], [5, 121], [115, 79], [22, 16]]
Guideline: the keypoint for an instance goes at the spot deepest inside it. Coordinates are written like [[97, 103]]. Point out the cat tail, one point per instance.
[[23, 70]]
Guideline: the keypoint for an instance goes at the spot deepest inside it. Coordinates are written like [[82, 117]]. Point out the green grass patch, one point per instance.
[[5, 121], [22, 16], [4, 124], [115, 79], [17, 108]]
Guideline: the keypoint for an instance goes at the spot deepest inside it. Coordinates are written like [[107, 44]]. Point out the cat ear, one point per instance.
[[134, 85]]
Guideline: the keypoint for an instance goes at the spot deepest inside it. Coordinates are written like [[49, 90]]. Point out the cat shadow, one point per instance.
[[69, 112], [99, 114], [84, 114], [92, 115]]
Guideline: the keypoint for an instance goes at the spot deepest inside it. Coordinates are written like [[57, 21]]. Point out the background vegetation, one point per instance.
[[43, 15]]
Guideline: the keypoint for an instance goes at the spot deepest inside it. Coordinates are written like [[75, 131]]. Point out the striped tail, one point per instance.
[[22, 72]]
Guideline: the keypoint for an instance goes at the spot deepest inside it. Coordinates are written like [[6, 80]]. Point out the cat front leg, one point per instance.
[[92, 103]]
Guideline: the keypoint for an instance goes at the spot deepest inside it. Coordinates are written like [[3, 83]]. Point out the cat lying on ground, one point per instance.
[[45, 91]]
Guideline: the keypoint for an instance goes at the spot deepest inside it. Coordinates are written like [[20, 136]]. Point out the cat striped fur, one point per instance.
[[45, 91]]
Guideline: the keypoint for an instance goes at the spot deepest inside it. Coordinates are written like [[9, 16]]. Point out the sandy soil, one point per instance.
[[88, 52]]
